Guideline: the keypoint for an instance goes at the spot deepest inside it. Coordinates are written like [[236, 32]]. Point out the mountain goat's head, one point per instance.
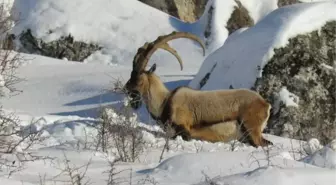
[[141, 79]]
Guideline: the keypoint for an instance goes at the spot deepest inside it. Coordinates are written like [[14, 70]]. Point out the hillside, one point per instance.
[[67, 126]]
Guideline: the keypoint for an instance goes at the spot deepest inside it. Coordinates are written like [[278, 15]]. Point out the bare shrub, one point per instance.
[[208, 180], [119, 131], [169, 133], [69, 174], [7, 21], [112, 173], [15, 140], [148, 180]]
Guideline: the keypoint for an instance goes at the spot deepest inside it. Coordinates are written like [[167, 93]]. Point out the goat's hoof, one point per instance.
[[267, 142], [186, 137]]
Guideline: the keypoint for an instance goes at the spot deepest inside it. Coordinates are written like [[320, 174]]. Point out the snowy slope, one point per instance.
[[185, 162], [243, 52], [64, 95], [60, 87], [120, 26]]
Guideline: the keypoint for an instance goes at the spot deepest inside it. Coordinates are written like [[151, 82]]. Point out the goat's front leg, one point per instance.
[[173, 130], [182, 122], [181, 131]]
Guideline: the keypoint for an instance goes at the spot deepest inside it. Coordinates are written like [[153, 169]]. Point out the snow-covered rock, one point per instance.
[[100, 36], [325, 157], [300, 67], [283, 57], [119, 27]]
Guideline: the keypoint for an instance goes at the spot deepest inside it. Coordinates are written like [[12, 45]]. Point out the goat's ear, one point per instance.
[[152, 69]]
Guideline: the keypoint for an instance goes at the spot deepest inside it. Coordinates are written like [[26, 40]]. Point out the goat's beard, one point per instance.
[[135, 99]]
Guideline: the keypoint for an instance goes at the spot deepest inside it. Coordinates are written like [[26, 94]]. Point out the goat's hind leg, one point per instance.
[[173, 130], [205, 134], [219, 132], [254, 121]]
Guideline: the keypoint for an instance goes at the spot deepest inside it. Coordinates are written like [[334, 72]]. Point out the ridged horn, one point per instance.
[[161, 42]]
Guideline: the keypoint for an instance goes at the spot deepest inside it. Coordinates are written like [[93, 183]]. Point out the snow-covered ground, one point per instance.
[[64, 96]]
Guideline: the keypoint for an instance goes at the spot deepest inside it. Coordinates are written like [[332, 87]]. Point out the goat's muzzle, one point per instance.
[[135, 101], [135, 98]]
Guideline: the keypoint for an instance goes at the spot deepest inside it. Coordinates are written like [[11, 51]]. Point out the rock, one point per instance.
[[305, 68], [167, 6], [190, 10], [65, 47], [287, 2], [239, 18], [186, 10]]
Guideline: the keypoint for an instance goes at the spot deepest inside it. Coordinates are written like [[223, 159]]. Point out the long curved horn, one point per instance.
[[166, 47], [139, 55], [161, 42]]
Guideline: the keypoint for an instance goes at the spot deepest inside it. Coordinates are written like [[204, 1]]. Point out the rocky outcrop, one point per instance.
[[239, 18], [186, 10], [192, 10], [65, 47], [287, 2], [302, 75], [167, 6]]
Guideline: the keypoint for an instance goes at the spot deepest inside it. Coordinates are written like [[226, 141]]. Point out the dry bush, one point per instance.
[[69, 174], [119, 132], [15, 140]]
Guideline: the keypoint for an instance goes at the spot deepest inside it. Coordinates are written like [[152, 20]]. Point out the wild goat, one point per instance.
[[206, 115]]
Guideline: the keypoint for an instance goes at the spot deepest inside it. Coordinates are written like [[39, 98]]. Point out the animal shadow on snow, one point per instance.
[[112, 100], [102, 98]]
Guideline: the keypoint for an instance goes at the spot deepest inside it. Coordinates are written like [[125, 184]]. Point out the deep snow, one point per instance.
[[64, 96]]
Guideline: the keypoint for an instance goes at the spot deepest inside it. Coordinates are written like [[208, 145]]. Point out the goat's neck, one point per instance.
[[156, 97]]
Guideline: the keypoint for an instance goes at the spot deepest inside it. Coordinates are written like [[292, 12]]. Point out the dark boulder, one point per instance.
[[64, 47], [185, 10], [287, 2], [305, 72], [240, 18]]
